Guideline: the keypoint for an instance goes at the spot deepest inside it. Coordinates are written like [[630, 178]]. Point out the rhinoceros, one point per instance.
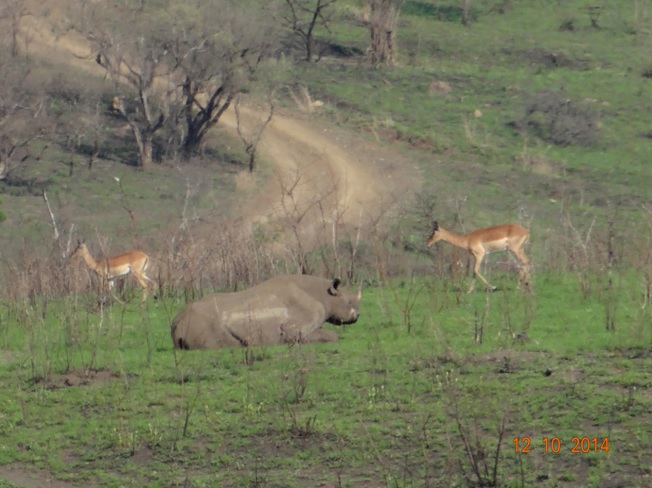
[[284, 309]]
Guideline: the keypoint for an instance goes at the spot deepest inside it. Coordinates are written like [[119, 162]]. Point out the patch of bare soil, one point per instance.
[[22, 477], [79, 377], [347, 177]]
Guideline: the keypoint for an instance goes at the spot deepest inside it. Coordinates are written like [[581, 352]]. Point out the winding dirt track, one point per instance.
[[314, 165]]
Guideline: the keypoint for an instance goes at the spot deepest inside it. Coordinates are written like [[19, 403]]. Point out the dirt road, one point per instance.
[[315, 166]]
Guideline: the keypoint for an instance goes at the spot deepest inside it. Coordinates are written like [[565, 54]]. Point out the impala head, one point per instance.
[[434, 236], [78, 250]]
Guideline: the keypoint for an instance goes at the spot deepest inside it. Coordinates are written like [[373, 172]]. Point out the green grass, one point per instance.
[[380, 407]]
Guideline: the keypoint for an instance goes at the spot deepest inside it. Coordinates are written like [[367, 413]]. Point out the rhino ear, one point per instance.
[[334, 286]]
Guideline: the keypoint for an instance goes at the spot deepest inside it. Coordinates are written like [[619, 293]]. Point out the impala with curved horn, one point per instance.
[[505, 237], [110, 269]]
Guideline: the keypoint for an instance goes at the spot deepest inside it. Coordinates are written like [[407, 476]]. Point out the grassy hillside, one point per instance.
[[585, 142]]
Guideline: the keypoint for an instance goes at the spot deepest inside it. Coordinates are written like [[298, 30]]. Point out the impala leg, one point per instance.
[[476, 272], [146, 280], [524, 275], [472, 285], [143, 283], [524, 268], [489, 285], [152, 283], [112, 289]]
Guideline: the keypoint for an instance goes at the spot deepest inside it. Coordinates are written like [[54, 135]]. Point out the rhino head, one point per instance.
[[342, 307]]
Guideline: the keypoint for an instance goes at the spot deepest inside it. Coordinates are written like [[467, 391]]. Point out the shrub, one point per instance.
[[555, 118]]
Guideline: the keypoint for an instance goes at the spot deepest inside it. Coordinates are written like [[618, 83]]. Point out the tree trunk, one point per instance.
[[466, 9], [383, 16], [144, 142], [145, 154], [191, 143], [200, 117]]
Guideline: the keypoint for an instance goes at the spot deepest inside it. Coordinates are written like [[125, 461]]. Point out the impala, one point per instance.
[[110, 269], [506, 237]]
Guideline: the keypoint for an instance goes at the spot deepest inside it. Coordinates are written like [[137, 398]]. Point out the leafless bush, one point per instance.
[[482, 454], [294, 388], [34, 273], [250, 138], [311, 229], [228, 257], [580, 251]]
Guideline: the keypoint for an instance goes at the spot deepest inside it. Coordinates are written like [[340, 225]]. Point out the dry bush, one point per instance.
[[555, 118], [229, 257], [34, 272]]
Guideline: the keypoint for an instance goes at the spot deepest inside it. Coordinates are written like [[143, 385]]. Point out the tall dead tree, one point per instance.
[[180, 63], [383, 20]]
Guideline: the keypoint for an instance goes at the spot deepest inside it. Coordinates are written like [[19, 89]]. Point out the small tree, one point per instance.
[[466, 11], [3, 217], [274, 74], [251, 141]]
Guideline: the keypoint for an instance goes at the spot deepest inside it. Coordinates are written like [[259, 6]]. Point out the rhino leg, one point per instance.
[[322, 335], [305, 319]]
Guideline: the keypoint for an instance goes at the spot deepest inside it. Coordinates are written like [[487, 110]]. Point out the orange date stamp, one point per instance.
[[577, 445]]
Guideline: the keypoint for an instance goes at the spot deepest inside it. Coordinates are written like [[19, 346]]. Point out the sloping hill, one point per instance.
[[319, 171]]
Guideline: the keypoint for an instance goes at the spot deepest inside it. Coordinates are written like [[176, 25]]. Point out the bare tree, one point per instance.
[[303, 17], [130, 43], [383, 18], [251, 141], [218, 56], [185, 62]]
